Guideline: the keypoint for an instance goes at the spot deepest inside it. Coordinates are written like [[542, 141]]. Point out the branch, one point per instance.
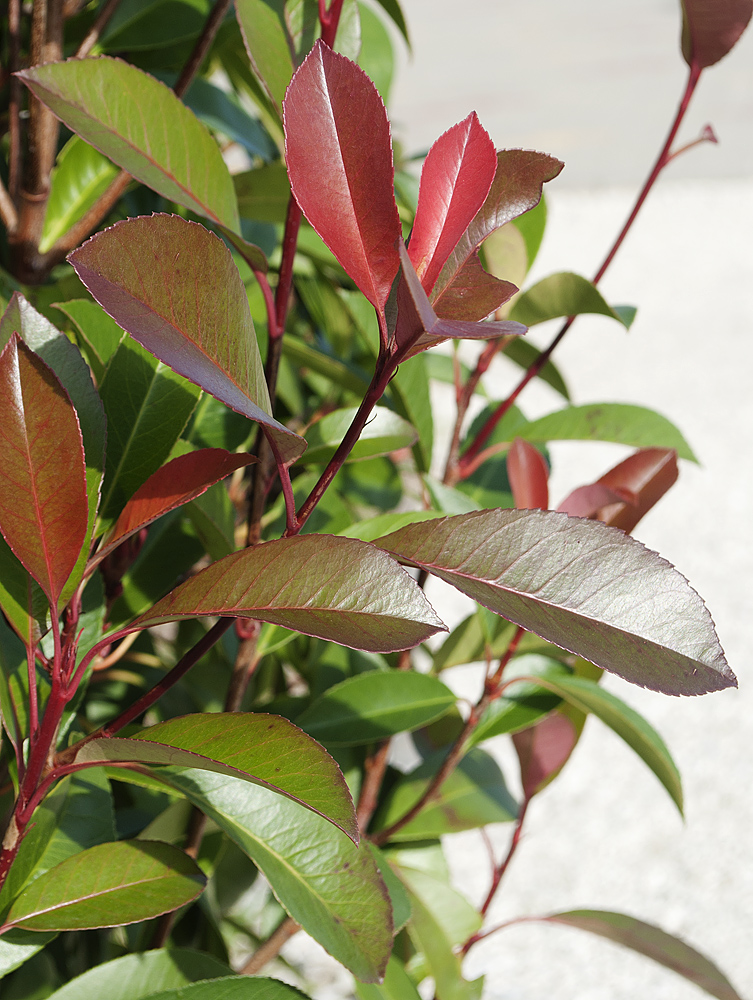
[[8, 212], [268, 951], [203, 44], [15, 156], [103, 19]]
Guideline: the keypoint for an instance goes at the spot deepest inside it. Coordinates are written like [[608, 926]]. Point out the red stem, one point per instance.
[[661, 161]]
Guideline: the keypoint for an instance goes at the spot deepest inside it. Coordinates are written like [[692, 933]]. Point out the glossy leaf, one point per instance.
[[637, 616], [336, 128], [232, 988], [710, 28], [456, 176], [618, 422], [112, 884], [137, 976], [264, 749], [266, 42], [397, 985], [522, 353], [474, 293], [147, 407], [375, 527], [654, 943], [149, 132], [222, 110], [43, 504], [171, 486], [329, 886], [516, 188], [66, 362], [97, 334], [152, 24], [263, 194], [158, 278], [335, 588], [529, 476], [523, 703], [374, 706], [385, 432], [542, 751], [398, 896], [474, 795], [647, 474], [17, 947], [80, 176], [21, 598], [587, 501], [563, 294]]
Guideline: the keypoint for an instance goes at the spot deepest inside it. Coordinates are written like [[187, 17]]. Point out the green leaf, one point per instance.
[[397, 985], [398, 896], [96, 332], [618, 422], [264, 749], [523, 354], [523, 703], [326, 884], [654, 943], [149, 132], [335, 588], [147, 406], [531, 226], [306, 357], [150, 24], [266, 42], [410, 393], [446, 499], [376, 57], [563, 294], [213, 517], [158, 278], [108, 885], [393, 8], [385, 432], [374, 706], [79, 177], [233, 988], [474, 795], [375, 527], [137, 976], [263, 194], [21, 598], [637, 616], [223, 112], [17, 947], [588, 696]]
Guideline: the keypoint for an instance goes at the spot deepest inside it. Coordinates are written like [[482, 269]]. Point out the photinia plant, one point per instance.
[[212, 566]]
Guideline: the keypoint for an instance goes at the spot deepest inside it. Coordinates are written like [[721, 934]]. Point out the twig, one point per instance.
[[93, 36], [374, 767], [661, 162], [203, 44], [8, 212], [245, 664], [268, 951], [15, 157]]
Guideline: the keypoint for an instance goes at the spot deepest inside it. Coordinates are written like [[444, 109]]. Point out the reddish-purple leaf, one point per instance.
[[528, 475], [418, 326], [710, 28], [647, 475], [586, 501], [474, 293], [174, 484], [338, 589], [339, 159], [516, 188], [174, 287], [455, 180], [43, 504], [586, 587], [543, 750], [654, 943]]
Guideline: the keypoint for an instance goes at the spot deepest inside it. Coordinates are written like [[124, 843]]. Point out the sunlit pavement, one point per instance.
[[597, 84]]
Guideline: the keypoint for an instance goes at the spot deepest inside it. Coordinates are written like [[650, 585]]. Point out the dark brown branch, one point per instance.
[[268, 951], [203, 44], [95, 32], [15, 157], [375, 767]]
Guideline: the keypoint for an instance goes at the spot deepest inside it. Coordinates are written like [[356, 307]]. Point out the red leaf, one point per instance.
[[528, 475], [647, 474], [43, 505], [543, 750], [516, 188], [174, 484], [710, 28], [339, 159], [418, 326], [474, 293], [585, 501], [455, 180]]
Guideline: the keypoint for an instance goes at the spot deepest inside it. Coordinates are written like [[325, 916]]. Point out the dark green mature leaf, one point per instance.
[[108, 885], [149, 132], [264, 749], [523, 354], [147, 407], [329, 886], [21, 598], [137, 976], [97, 334], [375, 527], [619, 422], [233, 988], [68, 365], [654, 943], [562, 294], [397, 985], [266, 42], [588, 588], [374, 706], [335, 588], [158, 278], [710, 28], [524, 702], [398, 896], [80, 176], [17, 947], [385, 432], [149, 24], [587, 696], [223, 111], [43, 504], [263, 194], [474, 795]]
